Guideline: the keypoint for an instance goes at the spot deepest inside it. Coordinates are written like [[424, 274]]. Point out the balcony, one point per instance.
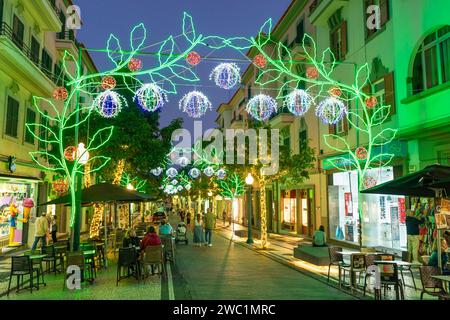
[[66, 41], [321, 10], [22, 65], [45, 14], [281, 119]]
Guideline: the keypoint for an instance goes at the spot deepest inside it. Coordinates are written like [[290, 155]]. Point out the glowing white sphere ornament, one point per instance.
[[195, 104], [194, 173], [174, 182], [180, 188], [171, 172], [150, 97], [109, 103], [183, 161], [261, 107], [209, 171], [221, 174], [226, 75], [331, 110], [188, 187], [157, 171], [298, 102]]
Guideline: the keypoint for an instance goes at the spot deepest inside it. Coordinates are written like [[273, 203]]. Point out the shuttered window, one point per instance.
[[18, 31], [338, 41], [12, 117], [31, 118]]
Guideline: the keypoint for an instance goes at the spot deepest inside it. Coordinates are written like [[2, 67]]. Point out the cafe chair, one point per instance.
[[154, 256], [37, 266], [357, 266], [51, 259], [433, 287], [169, 248], [128, 259], [22, 266], [389, 277], [369, 260], [336, 259], [75, 259], [89, 259]]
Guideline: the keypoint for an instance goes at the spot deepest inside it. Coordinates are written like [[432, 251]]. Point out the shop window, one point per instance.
[[12, 117], [383, 5], [432, 61], [30, 118]]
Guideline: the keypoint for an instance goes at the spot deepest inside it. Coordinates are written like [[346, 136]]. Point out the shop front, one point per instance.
[[296, 211]]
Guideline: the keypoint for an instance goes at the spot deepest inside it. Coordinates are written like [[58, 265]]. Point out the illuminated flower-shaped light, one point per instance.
[[188, 187], [135, 64], [260, 61], [361, 153], [369, 182], [371, 102], [193, 58], [335, 92], [221, 174], [171, 172], [312, 73], [195, 104], [109, 103], [174, 182], [331, 110], [209, 171], [226, 75], [60, 94], [157, 171], [60, 186], [70, 153], [261, 107], [108, 83], [194, 173], [183, 161], [150, 97], [180, 188], [298, 102]]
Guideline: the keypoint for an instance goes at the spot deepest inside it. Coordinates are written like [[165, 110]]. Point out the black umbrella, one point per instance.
[[104, 192], [421, 183]]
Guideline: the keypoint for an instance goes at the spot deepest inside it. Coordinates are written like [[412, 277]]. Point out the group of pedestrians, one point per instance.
[[203, 229], [45, 229]]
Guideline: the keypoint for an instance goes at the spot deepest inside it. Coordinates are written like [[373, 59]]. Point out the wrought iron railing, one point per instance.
[[68, 35]]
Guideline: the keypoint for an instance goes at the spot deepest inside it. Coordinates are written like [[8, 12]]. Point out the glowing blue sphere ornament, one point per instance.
[[195, 104], [331, 110], [226, 75], [157, 172], [194, 173], [171, 172], [150, 97], [261, 107], [183, 161], [188, 187], [209, 171], [174, 182], [298, 102], [109, 103], [221, 174]]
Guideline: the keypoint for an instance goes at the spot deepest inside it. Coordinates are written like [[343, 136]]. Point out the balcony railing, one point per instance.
[[7, 31], [53, 5], [68, 35]]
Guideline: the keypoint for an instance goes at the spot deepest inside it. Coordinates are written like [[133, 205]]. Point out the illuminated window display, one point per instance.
[[383, 215]]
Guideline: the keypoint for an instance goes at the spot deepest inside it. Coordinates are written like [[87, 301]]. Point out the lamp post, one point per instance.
[[249, 181]]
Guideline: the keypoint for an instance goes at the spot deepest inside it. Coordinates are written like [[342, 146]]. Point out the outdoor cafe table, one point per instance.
[[445, 279]]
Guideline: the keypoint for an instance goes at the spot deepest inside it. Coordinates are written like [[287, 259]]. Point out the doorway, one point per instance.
[[305, 200]]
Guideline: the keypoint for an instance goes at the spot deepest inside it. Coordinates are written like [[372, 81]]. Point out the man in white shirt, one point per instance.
[[41, 230]]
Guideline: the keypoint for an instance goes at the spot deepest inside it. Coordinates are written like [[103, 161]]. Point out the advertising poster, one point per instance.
[[402, 209], [348, 204]]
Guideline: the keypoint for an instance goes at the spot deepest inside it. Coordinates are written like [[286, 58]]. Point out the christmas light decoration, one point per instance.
[[172, 172], [371, 102], [157, 171], [70, 153], [109, 103], [193, 58], [312, 73], [221, 174], [60, 186], [194, 173], [183, 161], [232, 187], [260, 61], [150, 97], [135, 64], [209, 171], [188, 187], [108, 83], [174, 182], [331, 110], [82, 154], [298, 102], [335, 92], [226, 75], [195, 104], [180, 188], [60, 94], [361, 153], [261, 107]]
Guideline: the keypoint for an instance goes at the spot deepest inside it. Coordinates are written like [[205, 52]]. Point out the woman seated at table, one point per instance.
[[131, 240], [433, 261], [319, 238], [150, 239]]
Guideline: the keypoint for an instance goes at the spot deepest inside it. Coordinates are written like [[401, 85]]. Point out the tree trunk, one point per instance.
[[262, 192]]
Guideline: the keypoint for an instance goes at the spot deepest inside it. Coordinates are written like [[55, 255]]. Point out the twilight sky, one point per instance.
[[162, 18]]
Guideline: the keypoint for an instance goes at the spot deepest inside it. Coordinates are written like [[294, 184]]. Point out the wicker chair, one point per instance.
[[336, 259], [430, 285], [357, 265], [154, 255]]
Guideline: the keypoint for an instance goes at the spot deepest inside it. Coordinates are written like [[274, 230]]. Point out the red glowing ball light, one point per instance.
[[371, 102], [361, 153], [260, 61], [135, 64], [108, 83], [70, 153], [60, 94], [335, 92], [60, 186], [193, 58], [312, 73]]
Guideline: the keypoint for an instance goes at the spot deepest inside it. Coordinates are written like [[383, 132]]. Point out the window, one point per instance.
[[340, 127], [384, 15], [35, 48], [30, 118], [249, 92], [43, 134], [378, 89], [444, 157], [12, 117], [59, 76], [383, 89], [46, 63], [338, 41], [18, 30], [432, 62], [1, 10], [300, 32]]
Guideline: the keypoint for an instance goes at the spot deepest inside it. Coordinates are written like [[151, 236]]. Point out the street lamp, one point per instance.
[[249, 181]]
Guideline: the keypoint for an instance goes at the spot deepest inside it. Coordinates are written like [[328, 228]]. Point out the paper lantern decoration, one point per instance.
[[371, 102], [194, 173], [298, 102], [226, 75], [108, 83], [261, 107], [335, 92], [60, 186], [60, 94], [183, 161], [193, 58], [209, 172], [260, 61], [312, 73], [135, 64], [109, 103], [221, 174], [195, 104], [70, 153], [361, 153], [331, 110], [150, 97], [157, 172], [172, 172]]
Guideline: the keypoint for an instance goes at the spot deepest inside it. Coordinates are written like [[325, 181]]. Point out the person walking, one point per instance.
[[54, 228], [40, 233], [210, 224], [198, 231], [413, 235], [188, 218], [224, 217]]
